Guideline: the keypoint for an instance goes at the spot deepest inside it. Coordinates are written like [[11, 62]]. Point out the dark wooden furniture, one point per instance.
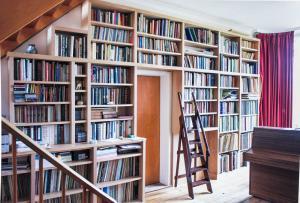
[[274, 164]]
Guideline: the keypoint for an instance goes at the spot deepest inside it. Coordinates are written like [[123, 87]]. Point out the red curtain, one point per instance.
[[276, 69]]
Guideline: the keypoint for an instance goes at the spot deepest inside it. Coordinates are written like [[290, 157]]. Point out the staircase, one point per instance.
[[20, 34], [88, 187]]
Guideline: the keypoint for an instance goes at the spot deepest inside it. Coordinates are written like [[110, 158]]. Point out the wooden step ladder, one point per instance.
[[195, 153]]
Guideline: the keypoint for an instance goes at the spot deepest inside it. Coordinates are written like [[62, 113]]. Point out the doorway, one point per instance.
[[154, 124]]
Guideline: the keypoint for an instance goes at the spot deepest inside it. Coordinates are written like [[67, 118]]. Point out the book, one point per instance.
[[111, 130], [200, 94], [110, 95], [228, 45], [228, 142], [157, 44], [249, 107], [110, 74], [199, 79], [228, 123], [250, 85], [80, 133], [229, 81], [248, 55], [246, 140], [249, 122], [199, 62], [127, 192], [203, 107], [201, 35], [157, 59], [112, 52], [229, 64], [111, 17], [207, 121], [106, 151], [249, 67], [228, 107], [112, 34], [80, 155], [39, 70], [248, 44], [7, 187], [229, 161], [162, 27], [70, 44]]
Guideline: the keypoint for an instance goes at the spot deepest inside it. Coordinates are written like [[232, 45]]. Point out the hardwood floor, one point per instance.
[[231, 187]]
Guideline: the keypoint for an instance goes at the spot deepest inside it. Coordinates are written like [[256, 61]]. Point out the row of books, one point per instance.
[[53, 179], [157, 44], [103, 113], [111, 52], [34, 70], [228, 107], [111, 17], [228, 142], [228, 45], [40, 93], [250, 85], [200, 94], [79, 69], [80, 114], [69, 199], [23, 163], [80, 133], [70, 45], [5, 142], [127, 192], [249, 67], [111, 129], [229, 64], [203, 107], [44, 113], [248, 123], [48, 134], [23, 183], [112, 34], [199, 79], [246, 140], [162, 27], [247, 44], [248, 55], [201, 35], [207, 121], [199, 62], [229, 161], [157, 59], [110, 95], [117, 169], [249, 107], [229, 123], [228, 81], [106, 74]]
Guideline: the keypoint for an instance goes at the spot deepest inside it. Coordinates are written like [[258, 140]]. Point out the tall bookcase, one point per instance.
[[99, 91]]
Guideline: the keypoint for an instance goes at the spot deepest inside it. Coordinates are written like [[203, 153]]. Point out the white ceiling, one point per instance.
[[240, 15], [265, 16]]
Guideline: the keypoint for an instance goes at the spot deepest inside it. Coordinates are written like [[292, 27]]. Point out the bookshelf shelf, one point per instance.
[[80, 106], [249, 60], [229, 114], [158, 36], [200, 87], [200, 54], [80, 91], [112, 84], [158, 52], [118, 182], [229, 73], [201, 45], [158, 67], [231, 88], [70, 163], [202, 100], [43, 123], [200, 70], [109, 25], [124, 118], [204, 113], [111, 105], [111, 63], [10, 173], [53, 195], [124, 156], [231, 131], [41, 82], [249, 49], [80, 121], [80, 76], [230, 55], [224, 152], [41, 103], [112, 42]]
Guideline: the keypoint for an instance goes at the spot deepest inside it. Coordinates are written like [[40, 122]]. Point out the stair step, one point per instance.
[[198, 169], [195, 142], [200, 182]]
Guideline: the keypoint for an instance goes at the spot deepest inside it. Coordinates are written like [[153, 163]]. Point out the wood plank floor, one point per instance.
[[231, 187]]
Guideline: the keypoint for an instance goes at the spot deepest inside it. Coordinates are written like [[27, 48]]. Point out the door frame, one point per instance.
[[165, 122]]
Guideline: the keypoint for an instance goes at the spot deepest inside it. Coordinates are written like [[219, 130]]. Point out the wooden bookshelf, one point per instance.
[[209, 50]]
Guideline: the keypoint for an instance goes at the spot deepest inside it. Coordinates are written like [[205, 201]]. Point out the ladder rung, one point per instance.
[[181, 151], [195, 141], [181, 176], [197, 169], [200, 182], [192, 130], [196, 155]]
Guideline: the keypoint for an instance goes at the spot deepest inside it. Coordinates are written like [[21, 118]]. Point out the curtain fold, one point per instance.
[[276, 70]]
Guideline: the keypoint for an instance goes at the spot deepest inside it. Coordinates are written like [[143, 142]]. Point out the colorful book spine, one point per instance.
[[111, 130], [199, 79], [199, 62], [106, 74], [200, 94], [229, 46], [201, 35], [111, 17], [110, 95], [111, 52], [229, 123], [157, 44], [229, 64], [112, 34], [157, 59]]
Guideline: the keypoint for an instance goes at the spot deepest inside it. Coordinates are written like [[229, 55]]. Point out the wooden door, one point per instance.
[[148, 123]]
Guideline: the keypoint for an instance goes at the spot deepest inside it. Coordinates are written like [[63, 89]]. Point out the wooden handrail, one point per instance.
[[42, 152]]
